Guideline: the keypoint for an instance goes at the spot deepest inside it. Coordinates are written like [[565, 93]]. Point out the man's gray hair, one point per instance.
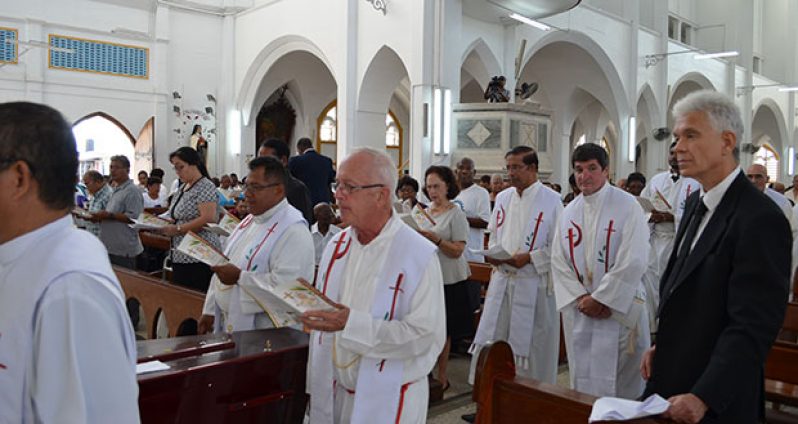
[[723, 114], [383, 167], [122, 160]]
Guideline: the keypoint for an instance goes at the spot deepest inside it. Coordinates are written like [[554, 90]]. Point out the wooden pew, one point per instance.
[[502, 397], [781, 367], [177, 303], [247, 377]]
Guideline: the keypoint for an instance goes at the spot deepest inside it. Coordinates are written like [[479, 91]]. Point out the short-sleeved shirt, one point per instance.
[[98, 202], [452, 225], [118, 237], [185, 208]]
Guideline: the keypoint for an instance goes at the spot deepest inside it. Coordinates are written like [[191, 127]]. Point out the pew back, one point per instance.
[[502, 397], [177, 303]]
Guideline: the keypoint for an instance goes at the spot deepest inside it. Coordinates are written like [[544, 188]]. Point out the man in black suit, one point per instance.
[[296, 192], [313, 169], [724, 291]]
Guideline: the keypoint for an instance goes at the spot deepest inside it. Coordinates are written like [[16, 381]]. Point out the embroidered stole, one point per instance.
[[595, 348], [522, 308], [379, 389], [244, 305]]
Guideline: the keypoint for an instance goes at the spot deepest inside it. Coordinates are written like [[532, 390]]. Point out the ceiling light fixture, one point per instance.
[[530, 22]]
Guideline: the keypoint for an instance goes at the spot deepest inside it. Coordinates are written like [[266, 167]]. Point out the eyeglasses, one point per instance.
[[346, 188], [515, 167], [257, 187]]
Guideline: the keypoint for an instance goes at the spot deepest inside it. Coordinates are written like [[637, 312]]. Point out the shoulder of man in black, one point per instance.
[[298, 195]]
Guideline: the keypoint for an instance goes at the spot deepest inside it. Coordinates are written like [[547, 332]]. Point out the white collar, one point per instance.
[[597, 197], [529, 191], [388, 230], [12, 249], [265, 216], [713, 197]]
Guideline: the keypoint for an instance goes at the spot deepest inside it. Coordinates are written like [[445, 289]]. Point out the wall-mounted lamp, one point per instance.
[[632, 138], [531, 22], [791, 162], [652, 59], [743, 89], [441, 120]]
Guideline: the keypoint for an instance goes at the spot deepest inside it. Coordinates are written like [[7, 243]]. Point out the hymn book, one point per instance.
[[302, 297], [495, 252], [148, 221], [199, 249], [226, 225]]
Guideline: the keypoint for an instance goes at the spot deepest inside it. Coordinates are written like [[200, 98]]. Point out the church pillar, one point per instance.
[[227, 154], [561, 144], [348, 84]]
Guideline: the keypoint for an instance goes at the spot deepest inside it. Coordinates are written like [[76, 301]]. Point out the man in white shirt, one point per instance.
[[369, 358], [272, 245], [475, 202], [792, 193], [668, 191], [322, 230], [67, 349], [599, 255]]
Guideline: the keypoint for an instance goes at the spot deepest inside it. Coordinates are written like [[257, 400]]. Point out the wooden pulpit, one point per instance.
[[248, 377]]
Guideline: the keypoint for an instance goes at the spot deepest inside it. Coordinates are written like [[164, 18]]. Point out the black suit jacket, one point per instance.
[[316, 171], [299, 197], [718, 320]]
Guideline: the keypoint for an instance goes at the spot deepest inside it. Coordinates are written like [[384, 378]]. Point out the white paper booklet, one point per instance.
[[646, 204], [301, 297], [148, 221], [81, 213], [225, 226], [495, 252], [151, 366], [199, 249], [617, 409]]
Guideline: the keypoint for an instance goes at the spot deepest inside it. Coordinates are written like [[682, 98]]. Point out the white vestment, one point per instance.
[[67, 349], [519, 306], [786, 207], [345, 371], [669, 196], [601, 249], [475, 202], [271, 248]]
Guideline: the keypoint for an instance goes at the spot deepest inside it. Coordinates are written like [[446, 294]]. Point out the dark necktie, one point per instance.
[[686, 244]]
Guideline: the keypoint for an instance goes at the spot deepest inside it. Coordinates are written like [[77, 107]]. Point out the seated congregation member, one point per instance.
[[100, 195], [192, 207], [295, 191], [241, 209], [450, 234], [369, 358], [152, 197], [271, 246], [599, 255], [519, 306], [67, 350], [126, 203], [142, 179], [323, 229], [725, 289]]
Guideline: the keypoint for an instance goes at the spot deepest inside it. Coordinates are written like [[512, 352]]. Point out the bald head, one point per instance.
[[758, 175]]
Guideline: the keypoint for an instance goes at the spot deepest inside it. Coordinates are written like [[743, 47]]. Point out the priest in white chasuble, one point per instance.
[[270, 246], [668, 191], [519, 306], [369, 358], [599, 256], [67, 349]]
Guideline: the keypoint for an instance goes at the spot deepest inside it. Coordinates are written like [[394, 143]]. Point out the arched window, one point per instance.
[[327, 130], [100, 136], [603, 143], [766, 155]]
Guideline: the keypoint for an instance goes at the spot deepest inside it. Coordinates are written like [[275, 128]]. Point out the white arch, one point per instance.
[[267, 57], [652, 109], [771, 106], [594, 50], [693, 76], [487, 65], [384, 74]]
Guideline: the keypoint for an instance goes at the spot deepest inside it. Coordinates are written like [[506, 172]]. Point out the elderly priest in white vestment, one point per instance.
[[520, 307], [598, 258], [67, 350], [369, 358], [272, 245]]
